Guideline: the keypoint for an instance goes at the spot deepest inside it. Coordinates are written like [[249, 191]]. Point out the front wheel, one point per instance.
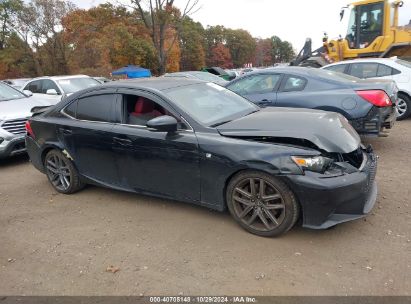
[[403, 106], [61, 173], [261, 203]]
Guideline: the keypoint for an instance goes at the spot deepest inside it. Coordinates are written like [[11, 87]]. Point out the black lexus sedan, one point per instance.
[[369, 105], [198, 142]]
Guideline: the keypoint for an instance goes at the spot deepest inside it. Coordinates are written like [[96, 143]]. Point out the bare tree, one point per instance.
[[158, 16]]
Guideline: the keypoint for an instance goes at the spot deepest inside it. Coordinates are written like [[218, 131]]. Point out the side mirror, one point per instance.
[[51, 92], [163, 123], [28, 93]]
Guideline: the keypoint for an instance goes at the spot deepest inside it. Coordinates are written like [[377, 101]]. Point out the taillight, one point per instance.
[[377, 97], [29, 130]]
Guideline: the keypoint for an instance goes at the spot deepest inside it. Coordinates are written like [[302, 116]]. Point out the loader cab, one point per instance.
[[366, 23]]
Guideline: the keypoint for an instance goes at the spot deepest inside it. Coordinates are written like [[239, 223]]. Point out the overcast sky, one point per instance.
[[292, 20]]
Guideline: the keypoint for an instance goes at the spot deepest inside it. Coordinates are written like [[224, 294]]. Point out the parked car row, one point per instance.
[[16, 104], [15, 109], [272, 146]]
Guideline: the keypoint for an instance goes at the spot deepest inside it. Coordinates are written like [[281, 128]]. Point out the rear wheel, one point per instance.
[[403, 106], [61, 173], [261, 203]]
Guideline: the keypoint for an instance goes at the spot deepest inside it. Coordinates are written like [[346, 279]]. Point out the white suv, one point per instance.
[[52, 89], [386, 68]]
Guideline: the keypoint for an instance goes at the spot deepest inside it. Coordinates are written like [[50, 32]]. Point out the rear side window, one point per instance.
[[256, 84], [294, 83], [96, 108], [384, 70], [34, 86], [364, 70], [337, 68]]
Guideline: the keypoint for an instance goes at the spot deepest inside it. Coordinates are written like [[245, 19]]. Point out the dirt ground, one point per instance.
[[52, 244]]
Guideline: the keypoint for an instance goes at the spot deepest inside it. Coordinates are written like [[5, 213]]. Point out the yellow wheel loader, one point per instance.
[[373, 31]]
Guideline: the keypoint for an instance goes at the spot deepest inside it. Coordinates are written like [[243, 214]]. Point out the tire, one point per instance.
[[403, 107], [61, 173], [249, 208]]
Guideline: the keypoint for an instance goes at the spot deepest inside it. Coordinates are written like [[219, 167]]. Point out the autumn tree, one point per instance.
[[159, 16], [107, 37], [221, 57], [263, 53]]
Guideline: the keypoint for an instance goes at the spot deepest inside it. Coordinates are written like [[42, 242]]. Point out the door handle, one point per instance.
[[122, 141], [66, 131], [263, 102]]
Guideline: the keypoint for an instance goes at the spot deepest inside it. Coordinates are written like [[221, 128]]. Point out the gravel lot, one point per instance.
[[52, 244]]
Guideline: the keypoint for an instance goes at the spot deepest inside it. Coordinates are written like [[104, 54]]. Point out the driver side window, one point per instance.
[[138, 110], [34, 86], [255, 84]]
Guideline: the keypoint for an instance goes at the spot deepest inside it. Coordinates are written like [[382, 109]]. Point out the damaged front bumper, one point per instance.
[[328, 200]]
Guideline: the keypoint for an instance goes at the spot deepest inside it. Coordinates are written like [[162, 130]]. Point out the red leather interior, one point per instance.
[[145, 106]]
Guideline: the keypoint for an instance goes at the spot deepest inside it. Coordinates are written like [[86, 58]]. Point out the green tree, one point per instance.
[[242, 46], [282, 51], [38, 25], [15, 59], [191, 37], [213, 35], [9, 10]]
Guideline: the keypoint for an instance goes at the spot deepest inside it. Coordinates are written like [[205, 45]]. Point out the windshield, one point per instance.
[[210, 104], [71, 85], [9, 93]]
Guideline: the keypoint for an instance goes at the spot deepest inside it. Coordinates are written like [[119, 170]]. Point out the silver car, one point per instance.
[[53, 88], [15, 108]]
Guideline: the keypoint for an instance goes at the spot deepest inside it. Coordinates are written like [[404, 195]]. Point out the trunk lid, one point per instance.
[[386, 85]]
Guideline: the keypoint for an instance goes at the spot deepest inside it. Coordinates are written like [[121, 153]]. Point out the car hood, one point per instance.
[[327, 130], [19, 108]]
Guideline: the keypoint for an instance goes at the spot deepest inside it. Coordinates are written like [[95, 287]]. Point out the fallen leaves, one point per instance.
[[112, 269]]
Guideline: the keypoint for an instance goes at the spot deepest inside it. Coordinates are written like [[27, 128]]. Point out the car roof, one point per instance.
[[307, 72], [159, 83], [289, 69], [387, 60], [60, 77]]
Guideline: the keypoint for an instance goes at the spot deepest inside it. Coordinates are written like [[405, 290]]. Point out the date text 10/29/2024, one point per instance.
[[205, 299]]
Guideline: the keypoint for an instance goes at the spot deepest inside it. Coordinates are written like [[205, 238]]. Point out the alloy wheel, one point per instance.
[[401, 107], [258, 204], [58, 172]]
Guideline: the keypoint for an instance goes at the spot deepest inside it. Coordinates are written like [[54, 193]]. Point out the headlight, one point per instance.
[[315, 164]]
